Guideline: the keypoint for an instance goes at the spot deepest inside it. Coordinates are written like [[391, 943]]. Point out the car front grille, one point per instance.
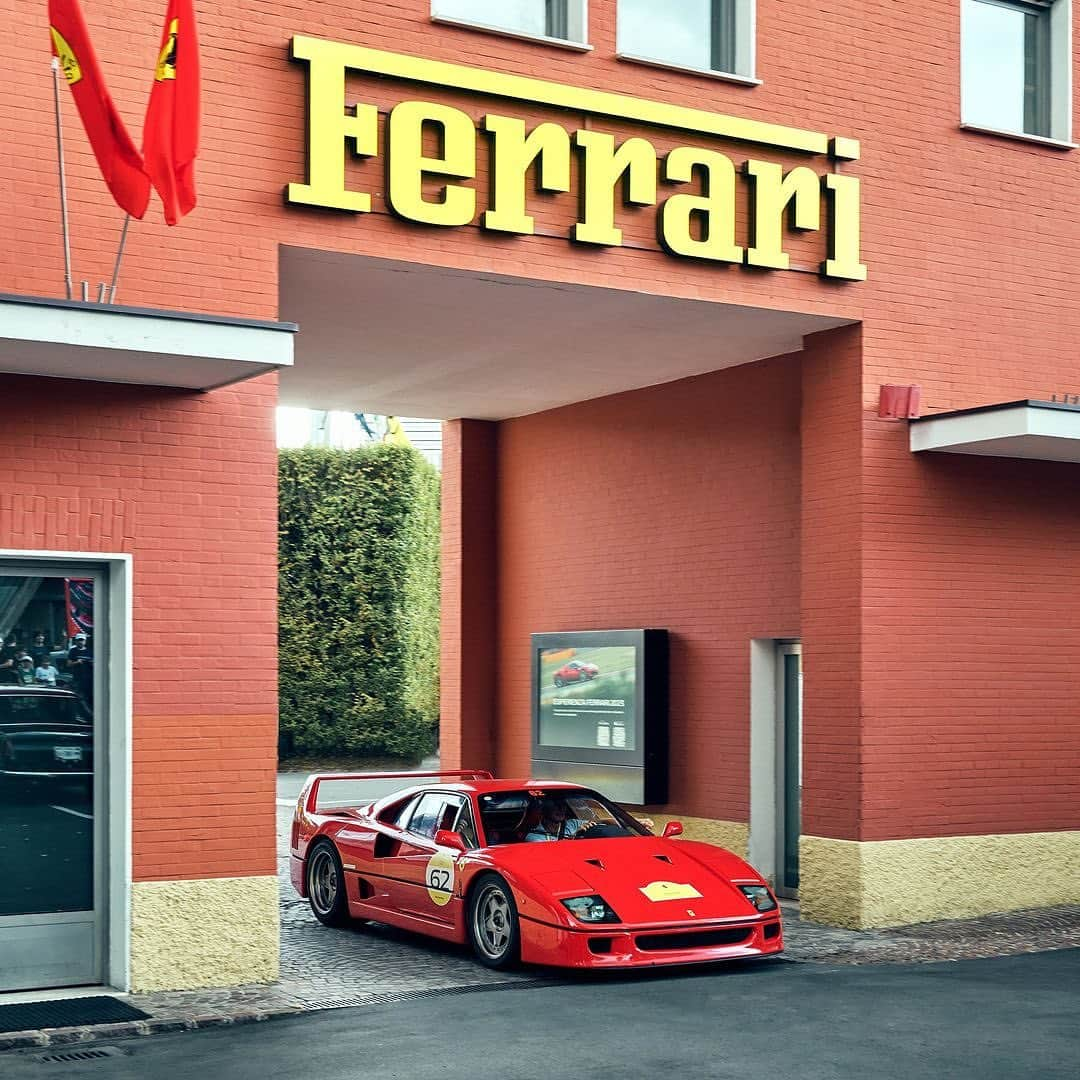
[[693, 939]]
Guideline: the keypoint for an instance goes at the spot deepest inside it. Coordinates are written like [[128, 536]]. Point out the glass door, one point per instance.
[[52, 856], [788, 767]]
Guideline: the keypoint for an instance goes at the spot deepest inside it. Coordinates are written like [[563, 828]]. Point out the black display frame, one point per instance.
[[649, 758]]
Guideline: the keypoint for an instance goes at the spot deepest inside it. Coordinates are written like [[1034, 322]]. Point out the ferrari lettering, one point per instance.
[[435, 158]]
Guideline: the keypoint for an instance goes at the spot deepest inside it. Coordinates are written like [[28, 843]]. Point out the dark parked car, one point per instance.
[[46, 737]]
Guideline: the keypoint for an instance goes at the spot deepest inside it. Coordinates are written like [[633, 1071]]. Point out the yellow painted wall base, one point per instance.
[[733, 835], [863, 885], [215, 932]]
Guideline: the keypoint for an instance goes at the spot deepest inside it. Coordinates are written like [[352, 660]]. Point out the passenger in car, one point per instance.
[[556, 822]]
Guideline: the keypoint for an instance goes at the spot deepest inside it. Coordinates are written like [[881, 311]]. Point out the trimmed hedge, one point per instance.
[[358, 601]]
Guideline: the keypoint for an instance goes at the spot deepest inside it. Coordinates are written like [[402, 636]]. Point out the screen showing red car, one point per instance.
[[587, 697]]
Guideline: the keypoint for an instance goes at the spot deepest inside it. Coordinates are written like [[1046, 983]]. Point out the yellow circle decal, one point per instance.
[[439, 878]]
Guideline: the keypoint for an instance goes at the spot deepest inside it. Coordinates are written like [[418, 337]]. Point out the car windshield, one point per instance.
[[515, 817]]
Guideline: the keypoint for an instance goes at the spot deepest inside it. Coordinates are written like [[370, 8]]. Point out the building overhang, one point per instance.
[[411, 339], [1039, 430], [67, 339]]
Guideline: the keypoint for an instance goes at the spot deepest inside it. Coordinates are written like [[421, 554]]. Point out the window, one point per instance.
[[436, 810], [561, 20], [425, 818], [1014, 64], [702, 35]]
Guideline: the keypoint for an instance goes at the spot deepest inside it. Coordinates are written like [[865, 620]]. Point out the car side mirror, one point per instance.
[[673, 828], [446, 838]]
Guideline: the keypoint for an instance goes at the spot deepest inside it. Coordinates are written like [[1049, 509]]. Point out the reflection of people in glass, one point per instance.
[[24, 671], [45, 674], [8, 654], [80, 663]]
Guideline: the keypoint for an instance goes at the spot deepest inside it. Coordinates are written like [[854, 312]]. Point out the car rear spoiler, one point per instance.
[[311, 799]]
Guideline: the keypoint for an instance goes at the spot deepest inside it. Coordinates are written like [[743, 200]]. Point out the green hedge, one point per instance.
[[359, 602]]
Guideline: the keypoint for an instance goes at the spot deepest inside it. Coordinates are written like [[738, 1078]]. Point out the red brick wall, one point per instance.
[[186, 483], [970, 241], [673, 507], [470, 570], [831, 583], [970, 643]]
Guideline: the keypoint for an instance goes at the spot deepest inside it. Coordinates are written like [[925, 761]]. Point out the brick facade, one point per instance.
[[935, 597]]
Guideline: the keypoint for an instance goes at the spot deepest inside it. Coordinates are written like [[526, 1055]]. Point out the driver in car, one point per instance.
[[556, 822]]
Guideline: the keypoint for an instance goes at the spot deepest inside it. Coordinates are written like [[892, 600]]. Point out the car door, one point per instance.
[[427, 872]]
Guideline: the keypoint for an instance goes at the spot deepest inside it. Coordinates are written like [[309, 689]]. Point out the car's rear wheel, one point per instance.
[[326, 885], [493, 923]]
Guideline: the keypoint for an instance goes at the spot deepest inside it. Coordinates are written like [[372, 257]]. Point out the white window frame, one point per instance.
[[577, 38], [745, 48], [117, 759], [1061, 62]]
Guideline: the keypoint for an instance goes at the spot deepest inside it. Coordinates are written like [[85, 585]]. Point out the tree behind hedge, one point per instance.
[[359, 601]]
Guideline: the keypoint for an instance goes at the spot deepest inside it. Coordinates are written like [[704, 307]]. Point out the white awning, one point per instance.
[[1041, 430], [108, 343]]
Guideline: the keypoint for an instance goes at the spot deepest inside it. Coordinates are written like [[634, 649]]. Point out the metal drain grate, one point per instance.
[[89, 1054]]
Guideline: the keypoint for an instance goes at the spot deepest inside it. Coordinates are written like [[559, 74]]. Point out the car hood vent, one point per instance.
[[595, 862], [663, 858]]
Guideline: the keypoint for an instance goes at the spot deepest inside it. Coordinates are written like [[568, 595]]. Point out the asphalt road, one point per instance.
[[1012, 1018]]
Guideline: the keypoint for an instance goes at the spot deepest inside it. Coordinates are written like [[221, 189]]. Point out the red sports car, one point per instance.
[[575, 671], [466, 860]]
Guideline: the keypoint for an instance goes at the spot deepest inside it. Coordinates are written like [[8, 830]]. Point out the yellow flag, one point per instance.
[[395, 433]]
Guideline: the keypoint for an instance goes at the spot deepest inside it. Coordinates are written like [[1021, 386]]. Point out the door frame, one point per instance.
[[766, 752], [116, 684]]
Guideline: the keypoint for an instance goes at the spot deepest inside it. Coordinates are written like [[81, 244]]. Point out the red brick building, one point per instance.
[[660, 360]]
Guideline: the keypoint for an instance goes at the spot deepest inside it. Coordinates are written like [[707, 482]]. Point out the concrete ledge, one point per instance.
[[864, 885]]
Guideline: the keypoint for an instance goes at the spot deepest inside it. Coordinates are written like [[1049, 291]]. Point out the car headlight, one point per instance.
[[590, 909], [759, 896]]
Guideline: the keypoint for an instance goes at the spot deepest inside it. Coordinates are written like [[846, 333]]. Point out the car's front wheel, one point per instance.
[[493, 923], [326, 885], [559, 681]]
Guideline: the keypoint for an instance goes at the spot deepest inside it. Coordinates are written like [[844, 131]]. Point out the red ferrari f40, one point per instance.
[[530, 871]]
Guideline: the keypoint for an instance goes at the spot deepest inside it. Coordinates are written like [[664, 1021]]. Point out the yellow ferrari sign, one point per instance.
[[437, 160], [669, 890]]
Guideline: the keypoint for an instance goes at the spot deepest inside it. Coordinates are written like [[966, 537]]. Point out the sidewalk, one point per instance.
[[325, 969]]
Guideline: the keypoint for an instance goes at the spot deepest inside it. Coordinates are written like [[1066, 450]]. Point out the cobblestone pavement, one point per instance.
[[328, 968]]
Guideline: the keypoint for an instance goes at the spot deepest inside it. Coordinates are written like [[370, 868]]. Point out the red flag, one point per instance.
[[117, 156], [171, 130]]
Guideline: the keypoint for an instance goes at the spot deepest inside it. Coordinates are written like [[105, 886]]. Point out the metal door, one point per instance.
[[53, 856]]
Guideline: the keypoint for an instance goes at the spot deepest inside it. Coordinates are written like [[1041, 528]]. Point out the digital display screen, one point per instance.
[[586, 697]]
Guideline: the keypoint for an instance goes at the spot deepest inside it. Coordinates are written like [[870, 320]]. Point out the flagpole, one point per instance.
[[119, 256], [63, 176]]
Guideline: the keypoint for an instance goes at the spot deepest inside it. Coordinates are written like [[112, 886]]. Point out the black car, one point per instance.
[[46, 737]]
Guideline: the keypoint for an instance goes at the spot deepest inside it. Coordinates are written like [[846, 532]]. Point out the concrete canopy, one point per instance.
[[1041, 430], [384, 336], [110, 343]]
